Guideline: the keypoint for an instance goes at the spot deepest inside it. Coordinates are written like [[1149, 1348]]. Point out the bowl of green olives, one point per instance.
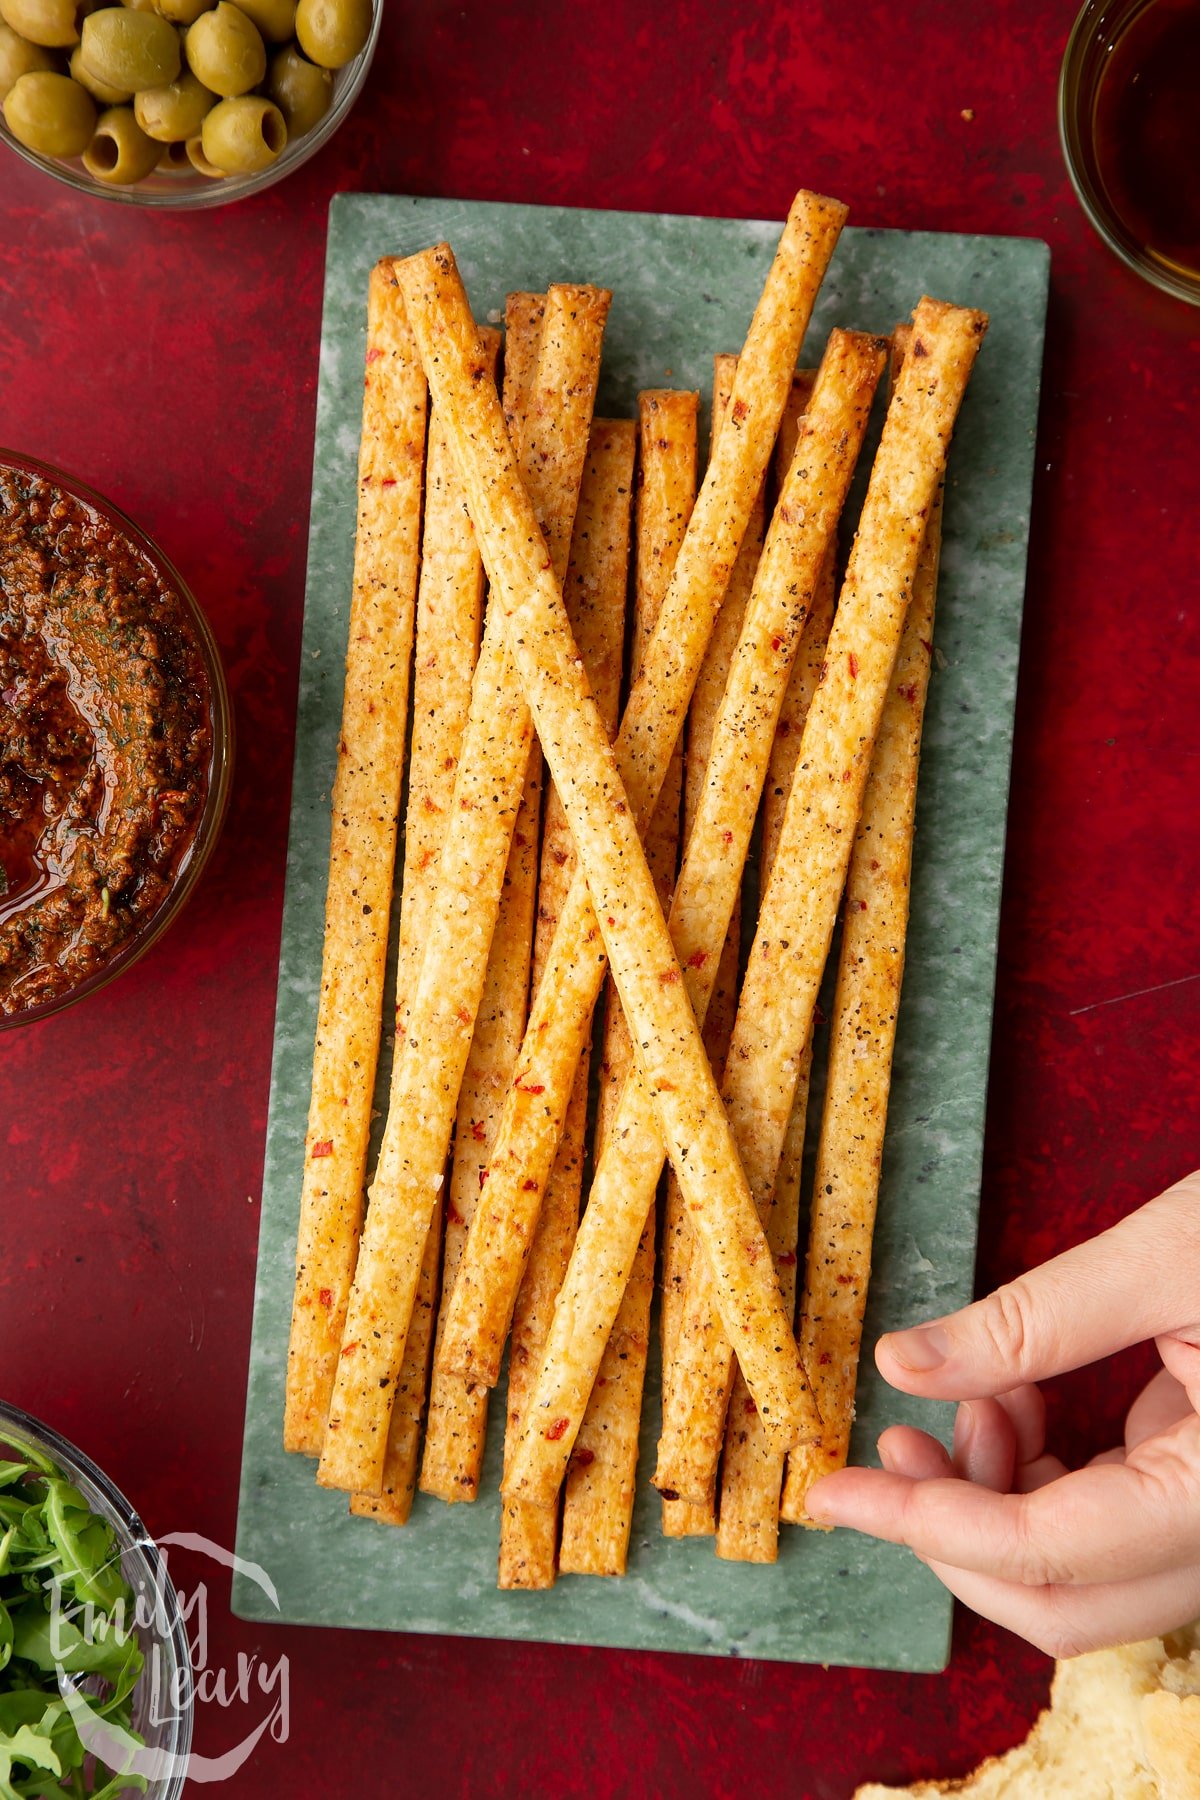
[[176, 103]]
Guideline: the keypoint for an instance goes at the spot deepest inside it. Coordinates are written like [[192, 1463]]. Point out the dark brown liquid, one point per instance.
[[1147, 131]]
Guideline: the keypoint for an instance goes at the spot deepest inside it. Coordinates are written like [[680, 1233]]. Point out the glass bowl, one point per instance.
[[1094, 36], [195, 190], [220, 768], [159, 1622]]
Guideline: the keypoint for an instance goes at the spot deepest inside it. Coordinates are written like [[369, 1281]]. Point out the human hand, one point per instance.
[[1071, 1561]]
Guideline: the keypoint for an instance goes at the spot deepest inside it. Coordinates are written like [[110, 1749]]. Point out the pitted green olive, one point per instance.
[[225, 51], [120, 152], [175, 160], [243, 135], [51, 23], [169, 114], [300, 90], [19, 57], [99, 90], [332, 32], [49, 113], [200, 162], [130, 50]]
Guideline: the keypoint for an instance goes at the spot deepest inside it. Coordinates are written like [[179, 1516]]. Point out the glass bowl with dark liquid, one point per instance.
[[1129, 117]]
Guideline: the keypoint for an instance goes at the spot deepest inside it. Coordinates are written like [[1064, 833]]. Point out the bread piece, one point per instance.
[[1121, 1725]]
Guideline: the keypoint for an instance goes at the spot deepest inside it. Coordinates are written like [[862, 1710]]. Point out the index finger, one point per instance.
[[1137, 1281], [1108, 1522]]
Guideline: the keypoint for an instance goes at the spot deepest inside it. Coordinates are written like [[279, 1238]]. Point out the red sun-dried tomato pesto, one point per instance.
[[105, 740]]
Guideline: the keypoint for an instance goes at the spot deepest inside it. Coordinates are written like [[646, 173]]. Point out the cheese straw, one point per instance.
[[679, 1519], [362, 854], [456, 1431], [449, 609], [598, 1504], [862, 1039], [751, 1470], [595, 600]]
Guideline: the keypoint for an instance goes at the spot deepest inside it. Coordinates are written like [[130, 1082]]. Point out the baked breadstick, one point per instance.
[[594, 594], [749, 1481], [457, 1426], [679, 1518], [598, 1503], [800, 531], [362, 854], [554, 1038], [583, 763], [449, 608], [862, 1039], [427, 1075], [800, 902], [751, 1471]]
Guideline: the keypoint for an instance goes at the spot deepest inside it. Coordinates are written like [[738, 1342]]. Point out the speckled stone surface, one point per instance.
[[683, 288]]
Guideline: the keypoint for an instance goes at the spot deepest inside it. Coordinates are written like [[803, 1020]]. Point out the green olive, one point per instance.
[[300, 90], [130, 50], [176, 111], [183, 12], [332, 32], [19, 57], [49, 113], [51, 23], [120, 152], [243, 135], [175, 160], [276, 19], [225, 51], [200, 162], [99, 90]]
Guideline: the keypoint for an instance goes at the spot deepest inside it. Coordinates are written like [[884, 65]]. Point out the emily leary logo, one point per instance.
[[168, 1684]]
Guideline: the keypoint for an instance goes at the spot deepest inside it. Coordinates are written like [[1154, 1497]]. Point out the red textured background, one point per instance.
[[172, 362]]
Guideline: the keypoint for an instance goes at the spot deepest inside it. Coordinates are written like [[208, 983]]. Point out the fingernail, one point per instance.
[[820, 1514], [922, 1350], [964, 1430], [885, 1457]]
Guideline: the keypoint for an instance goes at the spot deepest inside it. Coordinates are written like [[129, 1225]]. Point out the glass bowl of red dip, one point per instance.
[[116, 741]]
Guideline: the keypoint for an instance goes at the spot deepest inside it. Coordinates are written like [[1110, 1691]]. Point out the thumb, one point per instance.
[[1137, 1281]]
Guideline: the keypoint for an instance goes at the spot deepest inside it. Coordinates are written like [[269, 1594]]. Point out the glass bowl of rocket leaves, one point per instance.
[[95, 1677]]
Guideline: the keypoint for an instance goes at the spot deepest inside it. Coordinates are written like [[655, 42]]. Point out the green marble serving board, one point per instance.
[[683, 288]]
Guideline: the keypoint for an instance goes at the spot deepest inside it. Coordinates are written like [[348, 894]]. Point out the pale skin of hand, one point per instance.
[[1072, 1561]]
